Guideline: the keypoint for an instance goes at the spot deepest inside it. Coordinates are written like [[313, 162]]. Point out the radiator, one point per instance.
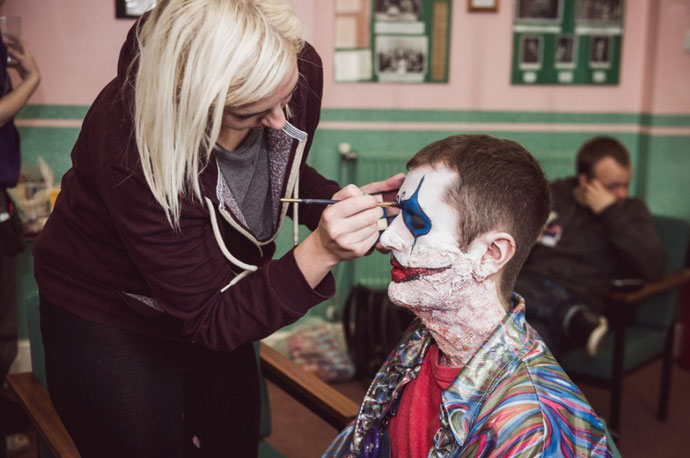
[[374, 271]]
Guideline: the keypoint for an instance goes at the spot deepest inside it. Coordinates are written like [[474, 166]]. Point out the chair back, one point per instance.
[[661, 310]]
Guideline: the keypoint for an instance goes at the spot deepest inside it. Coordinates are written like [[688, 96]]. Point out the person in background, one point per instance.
[[14, 55], [596, 233], [470, 377], [155, 269]]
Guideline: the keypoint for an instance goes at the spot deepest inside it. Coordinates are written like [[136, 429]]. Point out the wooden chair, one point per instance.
[[643, 324], [29, 387]]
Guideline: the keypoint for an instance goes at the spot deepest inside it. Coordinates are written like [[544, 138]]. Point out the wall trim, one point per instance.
[[505, 127], [52, 112], [53, 123], [55, 115]]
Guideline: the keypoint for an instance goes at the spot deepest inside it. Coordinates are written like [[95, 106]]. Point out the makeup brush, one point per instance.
[[329, 201]]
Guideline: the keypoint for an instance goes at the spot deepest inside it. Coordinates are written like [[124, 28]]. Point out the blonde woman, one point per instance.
[[155, 269]]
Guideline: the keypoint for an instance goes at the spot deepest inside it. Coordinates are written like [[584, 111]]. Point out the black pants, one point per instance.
[[8, 313], [548, 307], [121, 394]]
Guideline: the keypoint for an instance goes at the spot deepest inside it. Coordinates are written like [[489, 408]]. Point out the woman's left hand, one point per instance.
[[385, 191]]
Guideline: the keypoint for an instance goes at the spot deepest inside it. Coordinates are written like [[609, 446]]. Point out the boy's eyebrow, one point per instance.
[[251, 115]]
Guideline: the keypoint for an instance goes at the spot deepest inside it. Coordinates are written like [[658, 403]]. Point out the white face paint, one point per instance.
[[428, 264], [443, 285]]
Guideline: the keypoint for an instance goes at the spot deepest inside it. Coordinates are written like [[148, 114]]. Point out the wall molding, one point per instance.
[[71, 116]]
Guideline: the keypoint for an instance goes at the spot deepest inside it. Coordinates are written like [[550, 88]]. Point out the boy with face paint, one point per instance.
[[470, 377]]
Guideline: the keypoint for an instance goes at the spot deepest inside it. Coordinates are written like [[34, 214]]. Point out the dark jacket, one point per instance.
[[10, 157], [593, 249], [108, 254]]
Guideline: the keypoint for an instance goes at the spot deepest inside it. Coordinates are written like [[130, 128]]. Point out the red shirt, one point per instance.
[[412, 430]]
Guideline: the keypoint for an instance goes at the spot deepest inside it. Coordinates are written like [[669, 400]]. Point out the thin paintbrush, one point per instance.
[[329, 201]]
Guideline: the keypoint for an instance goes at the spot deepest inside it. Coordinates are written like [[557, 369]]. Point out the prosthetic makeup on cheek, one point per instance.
[[446, 287]]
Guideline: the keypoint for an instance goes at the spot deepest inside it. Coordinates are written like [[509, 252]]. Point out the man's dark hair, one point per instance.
[[500, 186], [597, 149]]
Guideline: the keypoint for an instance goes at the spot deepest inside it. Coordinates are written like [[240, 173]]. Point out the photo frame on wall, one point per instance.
[[531, 52], [482, 6], [599, 12], [567, 42], [393, 41], [600, 51], [566, 50], [538, 11], [132, 9]]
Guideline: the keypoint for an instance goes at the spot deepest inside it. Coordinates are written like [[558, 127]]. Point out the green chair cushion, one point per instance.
[[661, 310], [642, 344], [266, 450]]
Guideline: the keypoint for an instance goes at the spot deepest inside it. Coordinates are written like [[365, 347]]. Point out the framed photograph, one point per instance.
[[126, 9], [482, 6], [604, 12], [530, 52], [600, 51], [538, 10], [401, 59], [565, 52], [398, 10]]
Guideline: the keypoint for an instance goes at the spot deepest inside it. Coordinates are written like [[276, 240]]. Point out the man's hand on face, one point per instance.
[[594, 195]]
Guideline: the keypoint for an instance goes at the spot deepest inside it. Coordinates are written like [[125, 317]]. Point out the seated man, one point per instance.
[[596, 233], [470, 377]]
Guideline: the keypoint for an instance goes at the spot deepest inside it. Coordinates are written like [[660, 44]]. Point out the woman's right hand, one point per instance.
[[22, 60], [347, 230]]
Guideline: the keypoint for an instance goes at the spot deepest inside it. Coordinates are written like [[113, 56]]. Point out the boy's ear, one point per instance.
[[498, 248]]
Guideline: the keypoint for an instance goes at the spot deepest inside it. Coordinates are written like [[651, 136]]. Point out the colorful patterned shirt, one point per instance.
[[512, 398]]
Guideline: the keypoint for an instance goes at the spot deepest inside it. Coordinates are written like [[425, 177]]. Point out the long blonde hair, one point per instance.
[[197, 57]]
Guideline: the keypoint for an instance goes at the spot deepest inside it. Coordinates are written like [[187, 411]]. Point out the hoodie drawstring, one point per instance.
[[295, 213], [247, 268]]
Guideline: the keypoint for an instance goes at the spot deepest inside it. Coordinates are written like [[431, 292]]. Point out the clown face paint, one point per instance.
[[417, 222], [443, 285]]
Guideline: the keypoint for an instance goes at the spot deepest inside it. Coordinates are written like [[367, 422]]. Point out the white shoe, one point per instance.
[[597, 337]]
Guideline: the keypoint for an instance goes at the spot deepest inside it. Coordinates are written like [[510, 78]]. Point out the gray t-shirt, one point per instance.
[[246, 173]]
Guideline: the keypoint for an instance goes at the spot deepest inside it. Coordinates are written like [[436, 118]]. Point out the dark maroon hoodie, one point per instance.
[[108, 254]]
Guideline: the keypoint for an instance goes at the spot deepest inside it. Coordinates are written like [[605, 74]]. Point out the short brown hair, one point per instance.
[[500, 186], [597, 149]]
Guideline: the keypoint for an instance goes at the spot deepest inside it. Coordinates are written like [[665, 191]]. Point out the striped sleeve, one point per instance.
[[536, 412], [340, 447]]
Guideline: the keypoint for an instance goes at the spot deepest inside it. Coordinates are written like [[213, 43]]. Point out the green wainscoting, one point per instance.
[[659, 146], [53, 144]]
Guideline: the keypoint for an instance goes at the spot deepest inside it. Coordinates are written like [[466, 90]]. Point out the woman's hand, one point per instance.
[[22, 60], [24, 63], [347, 230], [386, 191]]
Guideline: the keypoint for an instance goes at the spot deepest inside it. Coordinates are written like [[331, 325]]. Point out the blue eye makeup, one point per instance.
[[417, 222]]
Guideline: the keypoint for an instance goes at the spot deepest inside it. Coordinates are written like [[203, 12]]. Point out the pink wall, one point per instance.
[[670, 86], [76, 44], [480, 70]]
